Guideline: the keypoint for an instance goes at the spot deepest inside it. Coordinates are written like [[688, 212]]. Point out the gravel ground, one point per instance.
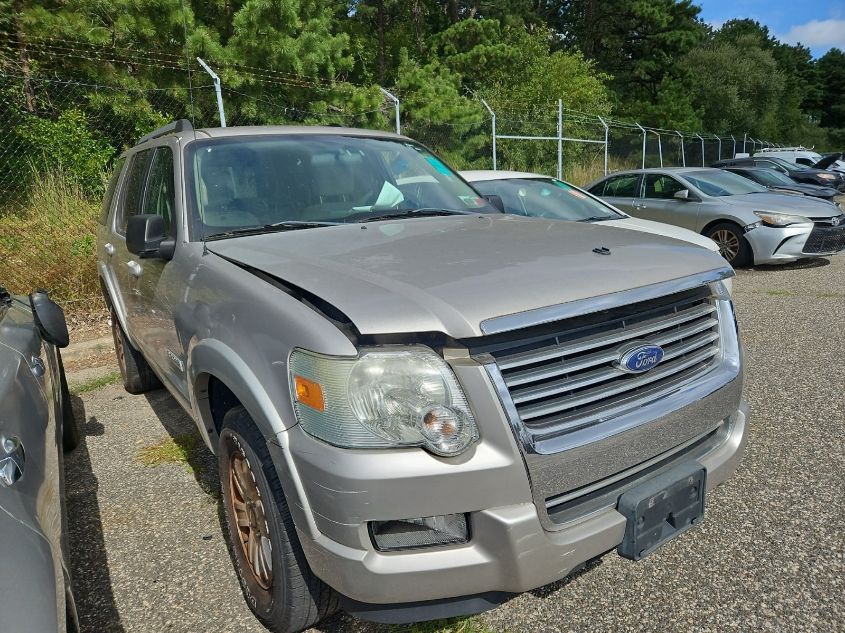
[[148, 554]]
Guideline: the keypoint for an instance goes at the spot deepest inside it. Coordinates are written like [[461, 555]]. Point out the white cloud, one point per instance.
[[821, 34]]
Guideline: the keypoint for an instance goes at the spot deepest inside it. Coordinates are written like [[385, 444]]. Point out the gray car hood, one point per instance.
[[448, 274], [780, 203]]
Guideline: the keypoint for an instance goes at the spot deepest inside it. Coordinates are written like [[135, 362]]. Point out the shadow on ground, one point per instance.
[[801, 264], [88, 561]]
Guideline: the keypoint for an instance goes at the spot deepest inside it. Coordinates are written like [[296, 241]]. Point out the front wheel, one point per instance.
[[279, 587], [731, 242]]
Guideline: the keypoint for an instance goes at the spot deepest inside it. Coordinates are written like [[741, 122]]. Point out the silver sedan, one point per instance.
[[749, 223]]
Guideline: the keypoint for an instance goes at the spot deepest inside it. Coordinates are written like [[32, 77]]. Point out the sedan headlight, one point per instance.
[[386, 397], [771, 218], [827, 176]]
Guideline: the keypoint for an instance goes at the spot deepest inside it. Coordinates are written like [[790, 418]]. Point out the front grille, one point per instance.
[[825, 237], [562, 376]]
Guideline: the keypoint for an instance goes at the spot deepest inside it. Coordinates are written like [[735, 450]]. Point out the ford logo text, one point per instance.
[[639, 358]]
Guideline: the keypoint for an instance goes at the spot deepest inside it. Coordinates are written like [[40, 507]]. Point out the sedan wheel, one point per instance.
[[731, 242]]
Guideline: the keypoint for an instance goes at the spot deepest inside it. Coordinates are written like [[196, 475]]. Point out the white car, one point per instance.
[[535, 195]]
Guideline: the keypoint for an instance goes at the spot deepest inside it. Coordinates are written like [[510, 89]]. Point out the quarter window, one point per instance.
[[661, 187], [107, 199]]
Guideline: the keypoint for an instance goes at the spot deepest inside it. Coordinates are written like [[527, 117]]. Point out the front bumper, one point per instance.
[[779, 245], [333, 493]]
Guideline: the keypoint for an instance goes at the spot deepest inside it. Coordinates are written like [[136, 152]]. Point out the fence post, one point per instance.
[[605, 144], [744, 138], [683, 155], [733, 155], [395, 100], [702, 148], [720, 147], [493, 121], [659, 148], [217, 91], [642, 129], [560, 139]]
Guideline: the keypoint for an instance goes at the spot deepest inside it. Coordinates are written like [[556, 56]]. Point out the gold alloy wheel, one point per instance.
[[727, 242], [251, 522]]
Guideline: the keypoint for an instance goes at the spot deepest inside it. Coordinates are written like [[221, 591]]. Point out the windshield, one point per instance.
[[247, 182], [722, 183], [783, 163], [773, 178], [546, 198]]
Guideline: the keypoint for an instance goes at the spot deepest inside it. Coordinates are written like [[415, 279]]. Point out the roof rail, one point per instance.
[[181, 125]]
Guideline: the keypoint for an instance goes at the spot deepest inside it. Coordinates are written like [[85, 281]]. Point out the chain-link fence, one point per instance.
[[59, 136]]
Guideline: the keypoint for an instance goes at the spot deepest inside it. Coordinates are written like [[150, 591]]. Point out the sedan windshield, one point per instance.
[[715, 182], [265, 183], [772, 178], [546, 198]]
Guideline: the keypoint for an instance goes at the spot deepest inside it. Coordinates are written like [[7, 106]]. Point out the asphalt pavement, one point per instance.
[[148, 553]]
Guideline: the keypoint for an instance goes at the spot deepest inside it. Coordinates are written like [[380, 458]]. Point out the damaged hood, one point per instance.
[[448, 274]]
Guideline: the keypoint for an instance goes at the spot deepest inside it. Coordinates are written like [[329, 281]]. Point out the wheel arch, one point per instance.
[[221, 379]]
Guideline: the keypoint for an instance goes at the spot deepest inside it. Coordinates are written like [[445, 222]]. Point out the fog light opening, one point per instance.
[[433, 531]]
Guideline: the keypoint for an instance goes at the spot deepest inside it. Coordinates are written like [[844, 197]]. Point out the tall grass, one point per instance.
[[583, 173], [49, 240]]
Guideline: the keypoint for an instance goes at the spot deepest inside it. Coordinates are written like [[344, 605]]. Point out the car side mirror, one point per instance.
[[683, 194], [49, 318], [495, 201], [146, 237]]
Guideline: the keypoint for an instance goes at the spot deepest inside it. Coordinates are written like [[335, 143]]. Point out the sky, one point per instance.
[[817, 24]]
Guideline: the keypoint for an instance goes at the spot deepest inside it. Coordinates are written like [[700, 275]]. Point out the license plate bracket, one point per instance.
[[662, 508]]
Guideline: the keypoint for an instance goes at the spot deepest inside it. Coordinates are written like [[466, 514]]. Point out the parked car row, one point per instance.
[[420, 405]]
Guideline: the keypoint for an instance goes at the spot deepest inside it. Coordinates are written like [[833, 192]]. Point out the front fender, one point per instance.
[[211, 357]]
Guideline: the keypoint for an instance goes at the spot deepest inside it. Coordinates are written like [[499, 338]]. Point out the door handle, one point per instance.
[[12, 460], [135, 268], [109, 248]]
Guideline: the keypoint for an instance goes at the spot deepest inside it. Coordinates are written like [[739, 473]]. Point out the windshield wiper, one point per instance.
[[411, 213], [596, 218], [287, 225]]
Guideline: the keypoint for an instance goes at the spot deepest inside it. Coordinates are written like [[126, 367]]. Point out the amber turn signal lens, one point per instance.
[[310, 393]]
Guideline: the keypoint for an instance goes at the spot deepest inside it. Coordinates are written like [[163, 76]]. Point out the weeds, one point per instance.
[[109, 379], [453, 625], [172, 450], [49, 242]]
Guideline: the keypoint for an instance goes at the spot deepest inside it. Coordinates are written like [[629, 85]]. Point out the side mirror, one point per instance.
[[49, 318], [146, 238], [495, 201], [683, 194]]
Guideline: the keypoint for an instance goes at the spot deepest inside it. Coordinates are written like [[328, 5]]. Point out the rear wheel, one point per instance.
[[279, 587], [134, 369], [731, 242]]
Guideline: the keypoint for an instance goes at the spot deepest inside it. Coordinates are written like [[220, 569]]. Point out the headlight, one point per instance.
[[386, 397], [827, 176], [781, 219]]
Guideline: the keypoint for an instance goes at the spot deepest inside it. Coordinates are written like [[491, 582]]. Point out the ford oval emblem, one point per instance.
[[639, 358]]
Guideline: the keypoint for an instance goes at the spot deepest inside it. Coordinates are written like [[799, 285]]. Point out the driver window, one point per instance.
[[159, 198], [661, 187]]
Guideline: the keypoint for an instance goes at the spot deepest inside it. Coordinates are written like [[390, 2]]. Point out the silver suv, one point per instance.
[[420, 406]]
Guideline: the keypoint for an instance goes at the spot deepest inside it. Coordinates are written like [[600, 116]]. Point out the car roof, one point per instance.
[[480, 175], [279, 130], [662, 170]]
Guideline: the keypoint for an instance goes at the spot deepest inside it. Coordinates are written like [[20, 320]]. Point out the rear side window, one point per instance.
[[622, 186], [133, 190], [160, 197], [109, 197]]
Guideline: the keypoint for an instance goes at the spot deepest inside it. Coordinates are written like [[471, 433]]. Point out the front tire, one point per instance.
[[731, 242], [279, 587], [136, 373]]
